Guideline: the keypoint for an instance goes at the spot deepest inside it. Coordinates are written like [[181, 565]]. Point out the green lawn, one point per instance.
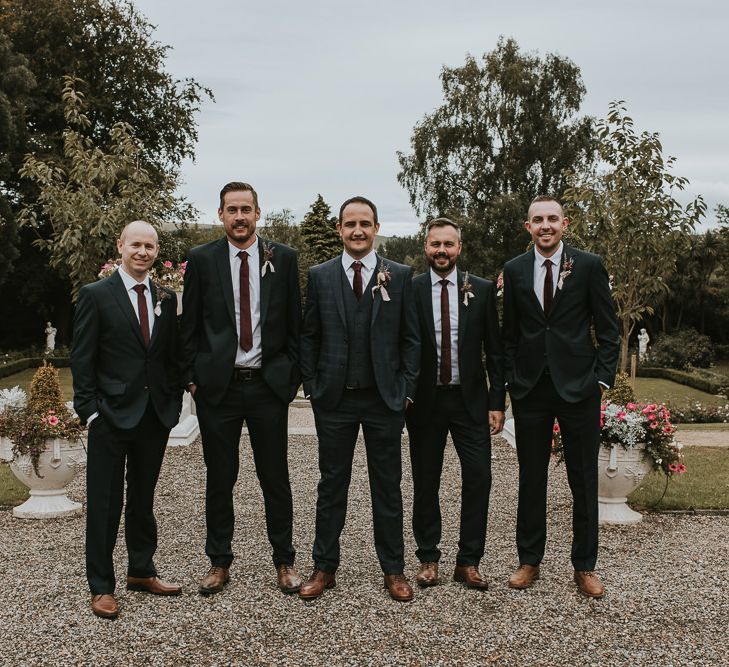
[[12, 492], [665, 391], [23, 379], [704, 485]]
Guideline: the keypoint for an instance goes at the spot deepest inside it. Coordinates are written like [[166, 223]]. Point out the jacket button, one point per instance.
[[547, 328], [146, 387]]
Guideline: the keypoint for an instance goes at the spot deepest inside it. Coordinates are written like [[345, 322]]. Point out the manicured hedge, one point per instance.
[[711, 383], [18, 365]]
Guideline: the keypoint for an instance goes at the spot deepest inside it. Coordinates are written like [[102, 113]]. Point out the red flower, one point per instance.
[[555, 428]]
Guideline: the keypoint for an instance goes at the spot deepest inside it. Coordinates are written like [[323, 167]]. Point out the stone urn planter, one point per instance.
[[620, 472], [58, 465]]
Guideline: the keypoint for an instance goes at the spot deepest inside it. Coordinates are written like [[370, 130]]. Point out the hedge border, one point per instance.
[[18, 365], [685, 378]]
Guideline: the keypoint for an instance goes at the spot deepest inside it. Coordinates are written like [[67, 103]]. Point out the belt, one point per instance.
[[448, 387], [242, 374]]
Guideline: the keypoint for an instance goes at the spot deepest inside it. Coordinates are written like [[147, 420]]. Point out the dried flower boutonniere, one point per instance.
[[500, 284], [267, 259], [466, 290], [383, 281], [161, 296], [567, 263]]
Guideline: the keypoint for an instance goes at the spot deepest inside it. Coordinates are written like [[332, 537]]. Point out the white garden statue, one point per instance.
[[643, 340], [50, 337]]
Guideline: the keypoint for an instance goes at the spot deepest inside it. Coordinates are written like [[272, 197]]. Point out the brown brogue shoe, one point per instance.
[[470, 577], [398, 587], [427, 575], [589, 584], [317, 584], [153, 585], [524, 577], [288, 578], [105, 605], [214, 581]]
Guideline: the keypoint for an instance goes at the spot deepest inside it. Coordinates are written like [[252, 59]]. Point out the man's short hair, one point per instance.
[[442, 222], [357, 200], [541, 198], [238, 186]]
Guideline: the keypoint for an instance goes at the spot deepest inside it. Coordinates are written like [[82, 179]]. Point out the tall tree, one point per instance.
[[16, 83], [626, 211], [319, 234], [87, 198], [508, 129]]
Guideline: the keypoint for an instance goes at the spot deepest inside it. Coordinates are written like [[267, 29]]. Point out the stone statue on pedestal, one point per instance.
[[50, 337], [643, 340]]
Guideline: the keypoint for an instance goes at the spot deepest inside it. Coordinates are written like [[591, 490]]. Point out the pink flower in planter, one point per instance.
[[555, 428], [681, 468], [631, 406], [168, 264], [621, 416], [53, 420], [673, 467]]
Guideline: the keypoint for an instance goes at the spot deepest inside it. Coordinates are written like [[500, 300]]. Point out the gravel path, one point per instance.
[[667, 601]]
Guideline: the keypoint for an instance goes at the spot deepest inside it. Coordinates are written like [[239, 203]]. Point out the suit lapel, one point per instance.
[[558, 293], [265, 282], [425, 299], [338, 280], [377, 297], [119, 292], [462, 310], [528, 273], [222, 261], [157, 320]]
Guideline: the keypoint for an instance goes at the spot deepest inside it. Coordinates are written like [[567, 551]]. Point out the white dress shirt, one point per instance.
[[453, 306], [369, 264], [130, 283], [252, 358], [540, 271]]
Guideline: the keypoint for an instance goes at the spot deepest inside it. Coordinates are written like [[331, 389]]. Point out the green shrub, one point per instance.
[[680, 350]]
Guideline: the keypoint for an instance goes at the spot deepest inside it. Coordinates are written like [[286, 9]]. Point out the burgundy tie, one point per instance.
[[246, 330], [357, 282], [446, 373], [143, 312], [548, 287]]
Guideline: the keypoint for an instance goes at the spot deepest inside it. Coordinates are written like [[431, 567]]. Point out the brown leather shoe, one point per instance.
[[105, 605], [398, 587], [317, 584], [524, 577], [589, 584], [470, 577], [288, 579], [427, 575], [153, 585], [214, 581]]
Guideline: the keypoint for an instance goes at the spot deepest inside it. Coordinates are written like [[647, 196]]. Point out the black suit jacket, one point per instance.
[[563, 341], [478, 332], [394, 337], [113, 373], [208, 334]]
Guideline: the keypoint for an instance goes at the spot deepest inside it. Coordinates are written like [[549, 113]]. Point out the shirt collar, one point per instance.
[[252, 249], [435, 278], [555, 259], [369, 260], [130, 282]]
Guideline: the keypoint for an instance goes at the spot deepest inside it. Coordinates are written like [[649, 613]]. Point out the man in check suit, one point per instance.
[[554, 296], [458, 323], [240, 326], [359, 361], [127, 390]]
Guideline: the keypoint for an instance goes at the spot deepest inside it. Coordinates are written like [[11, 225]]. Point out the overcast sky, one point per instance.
[[317, 97]]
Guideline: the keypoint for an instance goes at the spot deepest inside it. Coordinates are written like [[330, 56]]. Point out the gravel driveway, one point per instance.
[[667, 581]]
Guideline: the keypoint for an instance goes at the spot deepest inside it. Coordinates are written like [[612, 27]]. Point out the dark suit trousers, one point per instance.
[[472, 441], [337, 431], [250, 401], [142, 448], [579, 422]]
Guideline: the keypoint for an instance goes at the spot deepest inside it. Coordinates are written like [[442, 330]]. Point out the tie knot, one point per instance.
[[139, 289], [547, 263], [243, 256], [443, 282], [357, 266]]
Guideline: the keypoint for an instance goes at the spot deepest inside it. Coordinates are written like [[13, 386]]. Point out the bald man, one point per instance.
[[126, 388]]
